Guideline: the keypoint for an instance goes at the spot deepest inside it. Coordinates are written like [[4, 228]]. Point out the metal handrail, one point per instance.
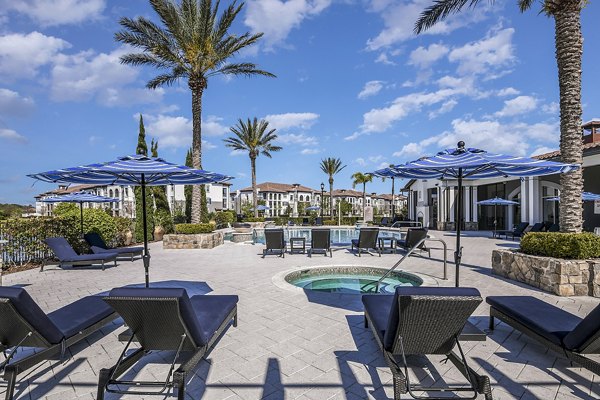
[[408, 253], [411, 224]]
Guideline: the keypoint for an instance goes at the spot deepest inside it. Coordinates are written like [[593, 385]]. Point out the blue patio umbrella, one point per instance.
[[469, 163], [136, 170], [261, 207], [496, 201], [585, 196], [80, 198], [313, 208]]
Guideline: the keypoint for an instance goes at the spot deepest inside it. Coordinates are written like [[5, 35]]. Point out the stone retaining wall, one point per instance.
[[554, 275], [197, 241]]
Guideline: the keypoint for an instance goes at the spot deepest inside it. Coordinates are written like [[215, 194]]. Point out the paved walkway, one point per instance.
[[290, 345]]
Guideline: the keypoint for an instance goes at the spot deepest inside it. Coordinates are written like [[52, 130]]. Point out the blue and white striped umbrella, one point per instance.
[[469, 163], [313, 208], [496, 201], [137, 170], [80, 198], [585, 196]]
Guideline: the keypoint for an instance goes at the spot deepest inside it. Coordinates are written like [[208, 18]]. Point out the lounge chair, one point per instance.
[[537, 227], [555, 328], [274, 242], [98, 246], [554, 228], [385, 221], [547, 225], [423, 321], [166, 319], [516, 232], [318, 221], [367, 239], [67, 256], [305, 221], [24, 324], [413, 237], [320, 240]]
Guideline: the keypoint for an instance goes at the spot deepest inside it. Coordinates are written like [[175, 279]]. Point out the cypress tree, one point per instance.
[[142, 149], [162, 210], [188, 189]]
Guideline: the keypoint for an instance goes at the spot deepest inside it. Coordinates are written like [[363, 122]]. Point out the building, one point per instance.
[[281, 198], [433, 202]]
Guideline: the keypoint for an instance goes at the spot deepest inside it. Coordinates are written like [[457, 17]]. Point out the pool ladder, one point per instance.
[[408, 253]]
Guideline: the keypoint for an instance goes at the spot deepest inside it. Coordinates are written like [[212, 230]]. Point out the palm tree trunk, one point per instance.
[[393, 213], [254, 193], [364, 201], [569, 47], [331, 197], [197, 90]]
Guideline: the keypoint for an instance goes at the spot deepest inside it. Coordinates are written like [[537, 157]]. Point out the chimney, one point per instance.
[[591, 131]]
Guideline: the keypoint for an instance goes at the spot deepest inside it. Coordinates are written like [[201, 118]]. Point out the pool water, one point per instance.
[[351, 280], [338, 235]]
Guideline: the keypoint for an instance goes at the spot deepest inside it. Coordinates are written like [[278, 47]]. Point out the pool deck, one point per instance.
[[290, 344]]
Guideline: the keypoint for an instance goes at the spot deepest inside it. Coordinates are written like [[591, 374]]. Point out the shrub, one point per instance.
[[254, 219], [64, 209], [223, 218], [123, 226], [163, 218], [192, 229], [561, 245], [329, 222]]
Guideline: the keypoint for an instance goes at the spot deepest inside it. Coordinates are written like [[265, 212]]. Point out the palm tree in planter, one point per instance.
[[331, 166], [569, 48], [255, 138], [194, 44], [360, 178]]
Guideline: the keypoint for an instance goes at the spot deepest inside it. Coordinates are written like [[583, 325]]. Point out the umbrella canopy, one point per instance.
[[137, 170], [496, 201], [585, 196], [313, 208], [80, 198], [261, 207], [469, 163]]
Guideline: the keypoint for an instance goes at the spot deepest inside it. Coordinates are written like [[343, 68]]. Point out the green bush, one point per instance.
[[64, 209], [192, 229], [561, 245], [254, 219], [329, 222], [123, 225], [223, 218], [163, 218]]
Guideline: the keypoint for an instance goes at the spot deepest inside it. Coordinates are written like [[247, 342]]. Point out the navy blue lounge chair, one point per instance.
[[367, 239], [24, 324], [166, 319], [320, 240], [557, 329], [98, 246], [414, 237], [422, 321], [274, 242], [67, 256]]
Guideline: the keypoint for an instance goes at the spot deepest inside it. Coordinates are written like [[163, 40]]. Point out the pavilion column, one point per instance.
[[475, 214], [534, 200], [452, 202], [439, 204], [525, 199], [467, 203]]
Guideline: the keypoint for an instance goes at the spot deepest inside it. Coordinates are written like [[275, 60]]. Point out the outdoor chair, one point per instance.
[[367, 239], [98, 246], [516, 232], [385, 221], [553, 327], [547, 225], [67, 256], [320, 240], [274, 242], [305, 221], [537, 227], [24, 324], [166, 319], [318, 221], [554, 228], [424, 321], [413, 237]]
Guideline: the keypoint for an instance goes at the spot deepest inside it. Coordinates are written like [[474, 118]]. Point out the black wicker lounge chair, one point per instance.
[[385, 221], [98, 246], [413, 237], [166, 319], [423, 321], [318, 221], [274, 242], [67, 256], [320, 240], [554, 228], [517, 232], [555, 328], [24, 324], [537, 227], [367, 239]]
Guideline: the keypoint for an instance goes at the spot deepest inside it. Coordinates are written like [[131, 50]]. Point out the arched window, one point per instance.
[[301, 198]]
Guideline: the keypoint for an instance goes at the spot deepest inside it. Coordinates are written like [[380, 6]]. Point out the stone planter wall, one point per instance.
[[198, 241], [558, 276], [451, 226]]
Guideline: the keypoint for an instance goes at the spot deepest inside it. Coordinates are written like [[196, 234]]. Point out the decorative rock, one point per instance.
[[197, 241], [239, 237]]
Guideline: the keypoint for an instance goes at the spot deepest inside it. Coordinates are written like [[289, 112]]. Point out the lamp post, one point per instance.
[[393, 198], [295, 185], [322, 190]]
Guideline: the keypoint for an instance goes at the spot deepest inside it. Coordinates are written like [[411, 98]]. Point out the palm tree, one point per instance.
[[393, 208], [357, 179], [194, 44], [253, 137], [569, 48], [331, 166]]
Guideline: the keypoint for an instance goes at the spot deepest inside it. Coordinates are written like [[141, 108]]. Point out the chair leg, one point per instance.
[[491, 325], [102, 265], [179, 380], [10, 375]]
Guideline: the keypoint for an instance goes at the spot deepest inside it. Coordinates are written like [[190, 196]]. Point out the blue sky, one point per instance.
[[352, 82]]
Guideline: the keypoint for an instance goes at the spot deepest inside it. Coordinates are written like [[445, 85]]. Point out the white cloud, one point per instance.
[[212, 126], [176, 131], [376, 159], [12, 136], [291, 120], [423, 57], [383, 58], [242, 174], [495, 52], [509, 91], [56, 12], [297, 139], [541, 150], [21, 55], [98, 76], [518, 105], [552, 108], [310, 151], [276, 18], [410, 149], [445, 108], [371, 88], [360, 161], [237, 153], [13, 104]]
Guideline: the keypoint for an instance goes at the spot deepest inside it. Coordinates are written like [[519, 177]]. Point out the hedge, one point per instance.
[[192, 229], [561, 245], [254, 219], [225, 218]]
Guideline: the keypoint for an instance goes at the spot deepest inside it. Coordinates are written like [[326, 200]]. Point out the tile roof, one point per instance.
[[278, 187], [556, 153], [70, 189]]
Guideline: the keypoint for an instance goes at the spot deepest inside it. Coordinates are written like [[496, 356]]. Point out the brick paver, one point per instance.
[[295, 345]]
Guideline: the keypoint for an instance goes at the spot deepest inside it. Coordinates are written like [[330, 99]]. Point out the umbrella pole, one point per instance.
[[495, 220], [458, 252], [146, 256], [81, 219]]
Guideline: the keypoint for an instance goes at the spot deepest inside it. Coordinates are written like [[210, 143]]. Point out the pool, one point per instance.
[[338, 235], [350, 280]]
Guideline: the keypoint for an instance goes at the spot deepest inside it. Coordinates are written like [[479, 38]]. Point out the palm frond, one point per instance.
[[439, 11], [246, 69], [162, 80], [525, 5]]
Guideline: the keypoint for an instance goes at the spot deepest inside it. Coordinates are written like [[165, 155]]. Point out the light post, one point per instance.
[[393, 202], [295, 185], [322, 190]]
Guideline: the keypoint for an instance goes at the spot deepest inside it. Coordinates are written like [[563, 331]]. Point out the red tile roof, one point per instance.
[[278, 187], [556, 153]]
